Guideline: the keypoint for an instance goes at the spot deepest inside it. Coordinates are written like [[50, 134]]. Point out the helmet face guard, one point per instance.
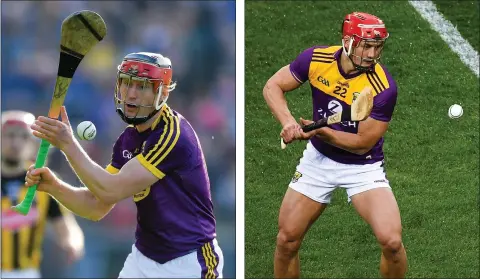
[[142, 72], [363, 27]]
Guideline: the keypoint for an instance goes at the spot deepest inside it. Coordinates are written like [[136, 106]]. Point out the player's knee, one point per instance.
[[390, 242], [288, 241]]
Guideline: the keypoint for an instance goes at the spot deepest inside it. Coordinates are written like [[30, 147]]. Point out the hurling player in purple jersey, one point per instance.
[[348, 155], [158, 162]]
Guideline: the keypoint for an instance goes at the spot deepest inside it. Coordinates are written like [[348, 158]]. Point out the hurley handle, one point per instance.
[[24, 207], [315, 125]]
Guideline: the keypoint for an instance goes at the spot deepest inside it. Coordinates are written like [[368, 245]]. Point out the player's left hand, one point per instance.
[[58, 133]]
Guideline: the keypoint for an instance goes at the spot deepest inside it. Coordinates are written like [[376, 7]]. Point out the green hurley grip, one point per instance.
[[24, 207]]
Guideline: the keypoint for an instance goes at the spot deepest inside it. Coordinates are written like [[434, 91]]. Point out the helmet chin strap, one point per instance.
[[350, 44], [158, 101], [135, 120]]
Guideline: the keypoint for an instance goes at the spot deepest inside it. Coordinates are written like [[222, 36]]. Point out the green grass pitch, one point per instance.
[[432, 161]]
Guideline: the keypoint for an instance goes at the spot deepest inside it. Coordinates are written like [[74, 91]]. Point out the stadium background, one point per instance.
[[432, 161], [199, 37]]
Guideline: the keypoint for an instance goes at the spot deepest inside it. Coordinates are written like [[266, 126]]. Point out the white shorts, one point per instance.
[[26, 273], [317, 176], [206, 262]]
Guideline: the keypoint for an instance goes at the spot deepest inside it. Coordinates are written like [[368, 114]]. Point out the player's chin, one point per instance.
[[136, 114]]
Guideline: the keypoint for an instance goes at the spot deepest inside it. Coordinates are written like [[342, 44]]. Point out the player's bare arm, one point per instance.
[[370, 131], [69, 236], [273, 92], [108, 188], [80, 201]]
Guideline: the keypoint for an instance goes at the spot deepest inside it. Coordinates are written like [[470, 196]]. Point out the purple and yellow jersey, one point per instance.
[[333, 91], [175, 214]]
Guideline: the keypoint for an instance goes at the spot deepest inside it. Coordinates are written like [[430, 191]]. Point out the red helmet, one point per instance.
[[145, 67], [362, 27], [18, 118]]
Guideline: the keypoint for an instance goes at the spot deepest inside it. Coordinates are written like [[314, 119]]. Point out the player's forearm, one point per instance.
[[100, 182], [80, 201], [276, 101], [346, 141]]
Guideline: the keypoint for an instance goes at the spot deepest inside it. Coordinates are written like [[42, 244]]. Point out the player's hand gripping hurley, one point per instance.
[[80, 32], [358, 111]]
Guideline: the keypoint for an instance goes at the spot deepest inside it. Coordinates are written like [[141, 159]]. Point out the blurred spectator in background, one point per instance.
[[198, 36], [22, 236]]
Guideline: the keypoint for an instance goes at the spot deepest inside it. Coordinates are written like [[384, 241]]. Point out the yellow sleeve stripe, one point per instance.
[[163, 150], [155, 123], [171, 130], [175, 140], [158, 173], [167, 120], [111, 169], [161, 144]]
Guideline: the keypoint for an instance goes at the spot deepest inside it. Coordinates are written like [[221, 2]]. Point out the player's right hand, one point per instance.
[[58, 133], [43, 177], [301, 135], [290, 131]]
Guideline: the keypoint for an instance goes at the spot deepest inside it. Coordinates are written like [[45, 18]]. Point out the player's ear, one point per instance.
[[165, 92]]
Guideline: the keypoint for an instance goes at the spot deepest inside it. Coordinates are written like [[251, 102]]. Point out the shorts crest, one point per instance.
[[296, 177]]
